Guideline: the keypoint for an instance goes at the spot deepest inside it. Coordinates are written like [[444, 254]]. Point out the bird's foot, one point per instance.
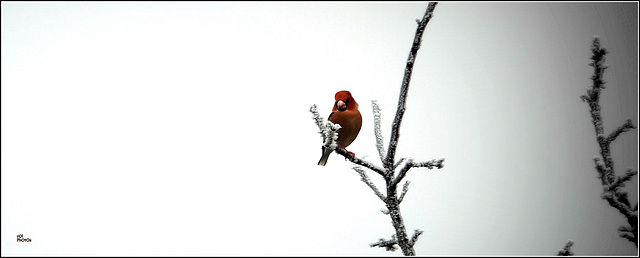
[[353, 155]]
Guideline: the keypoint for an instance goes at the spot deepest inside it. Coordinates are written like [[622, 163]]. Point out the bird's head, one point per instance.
[[344, 101]]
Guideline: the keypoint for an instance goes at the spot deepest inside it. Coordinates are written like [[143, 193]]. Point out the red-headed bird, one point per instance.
[[346, 114]]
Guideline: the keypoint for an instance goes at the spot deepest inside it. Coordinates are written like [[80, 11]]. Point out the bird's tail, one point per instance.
[[325, 156]]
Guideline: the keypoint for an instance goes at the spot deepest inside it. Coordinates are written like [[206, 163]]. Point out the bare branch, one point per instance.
[[395, 128], [376, 129], [367, 181], [566, 250], [405, 188]]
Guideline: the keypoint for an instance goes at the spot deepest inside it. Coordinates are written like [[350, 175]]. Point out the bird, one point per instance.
[[345, 113]]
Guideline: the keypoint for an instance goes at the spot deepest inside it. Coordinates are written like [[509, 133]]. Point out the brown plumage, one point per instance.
[[346, 114]]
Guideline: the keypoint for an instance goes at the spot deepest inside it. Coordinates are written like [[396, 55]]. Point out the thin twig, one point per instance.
[[318, 120], [411, 164], [367, 180], [619, 182], [623, 128], [566, 250], [389, 245], [397, 163], [403, 172], [360, 162], [405, 188], [437, 163], [415, 236]]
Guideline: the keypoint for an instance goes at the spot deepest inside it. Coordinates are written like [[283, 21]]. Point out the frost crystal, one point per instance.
[[318, 120], [331, 135], [328, 131]]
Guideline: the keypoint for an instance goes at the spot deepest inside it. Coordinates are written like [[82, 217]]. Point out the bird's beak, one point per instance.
[[341, 105]]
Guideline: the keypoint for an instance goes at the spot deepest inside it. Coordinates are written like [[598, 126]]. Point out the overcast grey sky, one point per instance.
[[184, 128]]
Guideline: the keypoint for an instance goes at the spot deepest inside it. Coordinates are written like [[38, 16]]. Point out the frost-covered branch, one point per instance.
[[429, 164], [415, 236], [627, 233], [329, 131], [404, 90], [619, 202], [604, 164], [410, 164], [360, 162], [601, 169], [405, 188], [403, 172], [331, 135], [398, 163], [566, 250], [367, 180], [597, 61], [620, 180], [623, 128], [389, 245], [318, 120], [376, 129]]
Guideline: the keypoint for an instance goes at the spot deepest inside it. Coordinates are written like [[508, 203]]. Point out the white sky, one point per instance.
[[183, 128]]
